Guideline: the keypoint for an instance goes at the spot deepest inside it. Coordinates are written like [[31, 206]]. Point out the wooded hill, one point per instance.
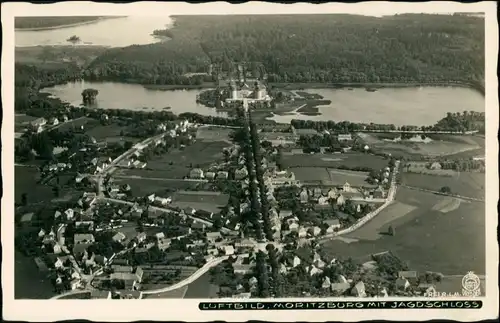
[[309, 48]]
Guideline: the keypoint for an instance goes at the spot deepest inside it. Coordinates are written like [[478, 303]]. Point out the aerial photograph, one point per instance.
[[249, 156]]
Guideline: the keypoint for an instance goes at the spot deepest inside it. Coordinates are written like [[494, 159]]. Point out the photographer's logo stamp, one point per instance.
[[470, 285]]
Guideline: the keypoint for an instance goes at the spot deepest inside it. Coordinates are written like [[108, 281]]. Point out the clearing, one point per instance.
[[144, 186], [110, 133]]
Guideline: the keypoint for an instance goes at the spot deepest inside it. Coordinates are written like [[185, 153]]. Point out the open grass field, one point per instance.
[[110, 133], [209, 133], [464, 184], [199, 200], [87, 123], [177, 293], [452, 243], [143, 186], [177, 164], [26, 182], [202, 288], [335, 160], [441, 145], [331, 176]]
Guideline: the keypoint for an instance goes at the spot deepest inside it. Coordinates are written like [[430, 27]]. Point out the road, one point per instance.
[[391, 195], [209, 223]]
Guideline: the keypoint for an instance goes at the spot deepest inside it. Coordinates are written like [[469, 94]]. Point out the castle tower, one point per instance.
[[233, 90]]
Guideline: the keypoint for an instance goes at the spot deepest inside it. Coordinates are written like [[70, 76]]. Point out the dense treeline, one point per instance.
[[306, 48], [48, 22]]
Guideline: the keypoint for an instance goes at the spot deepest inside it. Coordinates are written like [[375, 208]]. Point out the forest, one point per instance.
[[305, 48], [49, 22]]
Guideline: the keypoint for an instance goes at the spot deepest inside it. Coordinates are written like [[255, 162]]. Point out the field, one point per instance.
[[330, 175], [334, 160], [109, 133], [420, 168], [26, 182], [21, 122], [177, 293], [213, 133], [207, 201], [451, 243], [144, 186], [176, 164], [440, 145], [464, 184], [76, 123]]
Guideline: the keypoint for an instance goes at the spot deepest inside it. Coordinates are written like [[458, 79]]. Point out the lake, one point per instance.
[[132, 97], [116, 32], [400, 106]]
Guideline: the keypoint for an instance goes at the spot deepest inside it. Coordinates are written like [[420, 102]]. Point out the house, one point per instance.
[[296, 261], [162, 200], [228, 250], [119, 237], [196, 173], [27, 217], [359, 290], [284, 214], [435, 166], [253, 281], [160, 235], [198, 226], [302, 232], [100, 260], [294, 226], [304, 196], [344, 137], [210, 175], [379, 193], [141, 237], [316, 231], [332, 225], [222, 175], [139, 273], [402, 283], [100, 294], [70, 213], [428, 290], [313, 270], [340, 288], [340, 200], [75, 283], [164, 244], [84, 238], [213, 236], [411, 276], [326, 283], [54, 121], [323, 200], [240, 173]]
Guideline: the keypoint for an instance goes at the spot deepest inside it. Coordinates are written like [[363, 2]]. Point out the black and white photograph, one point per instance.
[[215, 157]]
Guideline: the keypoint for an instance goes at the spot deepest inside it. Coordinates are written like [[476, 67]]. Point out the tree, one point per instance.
[[24, 199], [89, 96], [391, 231], [445, 190]]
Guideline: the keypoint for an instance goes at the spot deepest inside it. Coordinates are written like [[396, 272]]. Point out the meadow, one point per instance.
[[464, 183], [334, 160], [329, 176], [451, 243]]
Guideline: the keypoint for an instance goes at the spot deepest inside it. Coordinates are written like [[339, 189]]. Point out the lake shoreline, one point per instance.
[[67, 25], [300, 86]]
